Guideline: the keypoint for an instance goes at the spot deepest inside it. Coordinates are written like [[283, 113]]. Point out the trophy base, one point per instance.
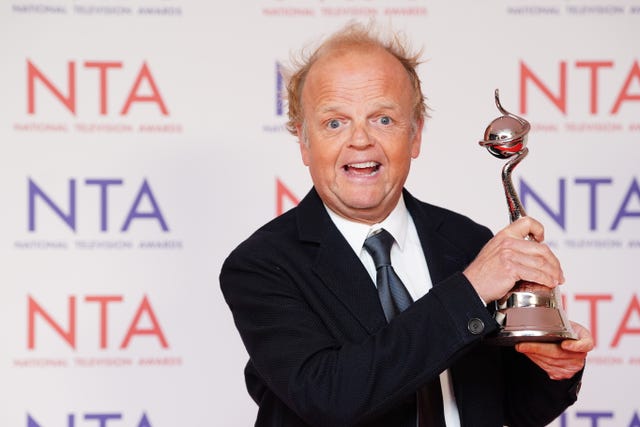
[[531, 324]]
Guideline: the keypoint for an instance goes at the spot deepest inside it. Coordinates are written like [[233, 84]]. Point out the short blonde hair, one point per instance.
[[353, 35]]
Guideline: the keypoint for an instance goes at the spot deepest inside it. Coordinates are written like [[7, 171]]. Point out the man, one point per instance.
[[323, 349]]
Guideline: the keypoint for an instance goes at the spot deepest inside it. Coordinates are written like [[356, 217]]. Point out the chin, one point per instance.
[[365, 205]]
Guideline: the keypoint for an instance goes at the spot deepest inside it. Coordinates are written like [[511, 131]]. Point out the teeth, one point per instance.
[[363, 165]]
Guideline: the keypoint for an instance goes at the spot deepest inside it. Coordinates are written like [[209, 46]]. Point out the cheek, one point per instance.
[[321, 155], [401, 152], [324, 162]]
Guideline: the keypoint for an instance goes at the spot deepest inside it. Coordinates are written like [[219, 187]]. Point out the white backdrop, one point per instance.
[[141, 140]]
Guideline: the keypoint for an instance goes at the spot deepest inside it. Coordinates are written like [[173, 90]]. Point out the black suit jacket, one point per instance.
[[322, 354]]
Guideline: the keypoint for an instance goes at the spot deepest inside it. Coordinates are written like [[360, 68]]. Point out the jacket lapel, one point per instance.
[[443, 258], [337, 266]]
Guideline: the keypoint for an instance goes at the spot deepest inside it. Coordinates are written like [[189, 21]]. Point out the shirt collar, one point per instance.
[[355, 233]]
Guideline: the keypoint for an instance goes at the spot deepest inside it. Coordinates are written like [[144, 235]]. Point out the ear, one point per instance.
[[304, 149], [416, 141]]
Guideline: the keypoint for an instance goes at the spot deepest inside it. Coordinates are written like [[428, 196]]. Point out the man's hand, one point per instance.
[[560, 360], [508, 258]]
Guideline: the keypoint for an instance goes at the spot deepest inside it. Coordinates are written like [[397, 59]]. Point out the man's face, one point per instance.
[[358, 109]]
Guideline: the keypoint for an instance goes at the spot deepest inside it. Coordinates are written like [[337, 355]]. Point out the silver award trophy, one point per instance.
[[529, 311]]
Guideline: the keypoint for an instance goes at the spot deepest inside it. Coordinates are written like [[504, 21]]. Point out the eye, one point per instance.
[[385, 120], [334, 124]]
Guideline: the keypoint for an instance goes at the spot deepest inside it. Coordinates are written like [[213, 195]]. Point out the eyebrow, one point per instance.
[[384, 105], [328, 108]]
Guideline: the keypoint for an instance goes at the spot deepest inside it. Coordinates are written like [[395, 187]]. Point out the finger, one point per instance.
[[540, 349], [584, 343], [527, 258], [531, 262], [547, 277], [538, 272], [567, 359], [577, 346], [553, 355], [551, 352], [560, 360], [556, 368], [526, 226]]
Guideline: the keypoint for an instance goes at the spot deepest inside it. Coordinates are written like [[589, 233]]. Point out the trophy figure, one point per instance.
[[529, 311]]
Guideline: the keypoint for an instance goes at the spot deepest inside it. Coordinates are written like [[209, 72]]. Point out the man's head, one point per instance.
[[354, 35], [357, 109]]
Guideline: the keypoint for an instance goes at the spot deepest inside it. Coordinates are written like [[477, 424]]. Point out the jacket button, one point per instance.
[[475, 326]]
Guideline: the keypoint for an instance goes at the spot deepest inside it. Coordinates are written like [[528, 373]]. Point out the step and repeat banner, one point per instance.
[[142, 140]]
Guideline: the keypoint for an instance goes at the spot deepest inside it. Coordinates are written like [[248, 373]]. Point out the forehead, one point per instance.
[[356, 71]]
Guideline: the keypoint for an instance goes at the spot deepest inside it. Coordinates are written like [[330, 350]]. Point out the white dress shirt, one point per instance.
[[409, 263]]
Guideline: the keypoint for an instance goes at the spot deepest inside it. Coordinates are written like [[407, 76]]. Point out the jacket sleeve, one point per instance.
[[326, 374]]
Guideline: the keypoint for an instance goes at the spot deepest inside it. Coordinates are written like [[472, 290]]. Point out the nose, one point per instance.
[[360, 137]]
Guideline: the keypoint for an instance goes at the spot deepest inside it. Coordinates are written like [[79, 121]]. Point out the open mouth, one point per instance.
[[364, 168]]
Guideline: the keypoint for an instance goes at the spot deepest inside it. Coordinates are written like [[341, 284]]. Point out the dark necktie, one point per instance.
[[395, 298], [392, 293]]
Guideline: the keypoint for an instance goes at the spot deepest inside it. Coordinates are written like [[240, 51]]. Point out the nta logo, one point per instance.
[[144, 315], [143, 90], [144, 196], [592, 186], [595, 70]]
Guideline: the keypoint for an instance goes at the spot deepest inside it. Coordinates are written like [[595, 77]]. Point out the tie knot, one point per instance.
[[379, 247]]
